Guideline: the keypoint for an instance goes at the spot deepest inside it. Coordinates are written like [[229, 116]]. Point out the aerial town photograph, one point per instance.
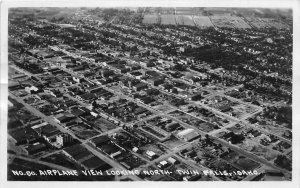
[[149, 94]]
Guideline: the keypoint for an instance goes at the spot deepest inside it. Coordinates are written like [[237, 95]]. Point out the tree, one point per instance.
[[283, 162]]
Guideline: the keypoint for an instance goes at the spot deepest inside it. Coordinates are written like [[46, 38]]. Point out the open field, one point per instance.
[[195, 122], [229, 21], [185, 20], [83, 131], [103, 125], [168, 19], [274, 23], [150, 19], [202, 21], [61, 160], [257, 22], [186, 10]]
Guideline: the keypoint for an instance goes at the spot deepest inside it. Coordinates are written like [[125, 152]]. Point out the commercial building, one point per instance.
[[188, 135]]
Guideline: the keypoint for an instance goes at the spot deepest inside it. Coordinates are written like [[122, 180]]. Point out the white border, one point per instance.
[[294, 4]]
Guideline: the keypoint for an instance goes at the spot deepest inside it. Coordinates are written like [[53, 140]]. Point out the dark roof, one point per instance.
[[224, 108], [172, 126], [95, 163], [71, 103], [136, 73], [110, 148], [48, 130], [274, 173], [141, 85], [22, 134], [32, 149], [100, 140], [147, 99], [65, 117], [140, 110], [88, 96], [77, 151], [77, 112]]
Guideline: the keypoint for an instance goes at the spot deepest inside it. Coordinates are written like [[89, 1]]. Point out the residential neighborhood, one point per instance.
[[175, 94]]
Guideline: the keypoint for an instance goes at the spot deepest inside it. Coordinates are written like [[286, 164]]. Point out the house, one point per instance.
[[156, 81], [135, 149], [172, 126], [87, 97], [150, 154], [162, 164], [172, 160], [140, 86], [77, 79], [32, 89]]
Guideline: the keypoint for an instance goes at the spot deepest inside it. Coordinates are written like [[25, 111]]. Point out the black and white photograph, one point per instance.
[[159, 92]]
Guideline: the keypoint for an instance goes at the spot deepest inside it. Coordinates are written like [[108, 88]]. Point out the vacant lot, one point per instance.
[[83, 131], [103, 125], [173, 142], [244, 163], [61, 160]]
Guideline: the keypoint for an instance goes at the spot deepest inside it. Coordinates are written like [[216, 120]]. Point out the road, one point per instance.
[[108, 160], [156, 113], [51, 121], [235, 148], [51, 165]]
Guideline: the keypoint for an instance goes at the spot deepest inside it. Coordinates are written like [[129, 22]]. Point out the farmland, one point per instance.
[[185, 20], [229, 21], [168, 19], [193, 17], [257, 22], [150, 19], [274, 23], [203, 21]]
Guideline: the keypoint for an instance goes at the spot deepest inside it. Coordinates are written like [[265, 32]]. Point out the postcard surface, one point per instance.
[[149, 93]]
